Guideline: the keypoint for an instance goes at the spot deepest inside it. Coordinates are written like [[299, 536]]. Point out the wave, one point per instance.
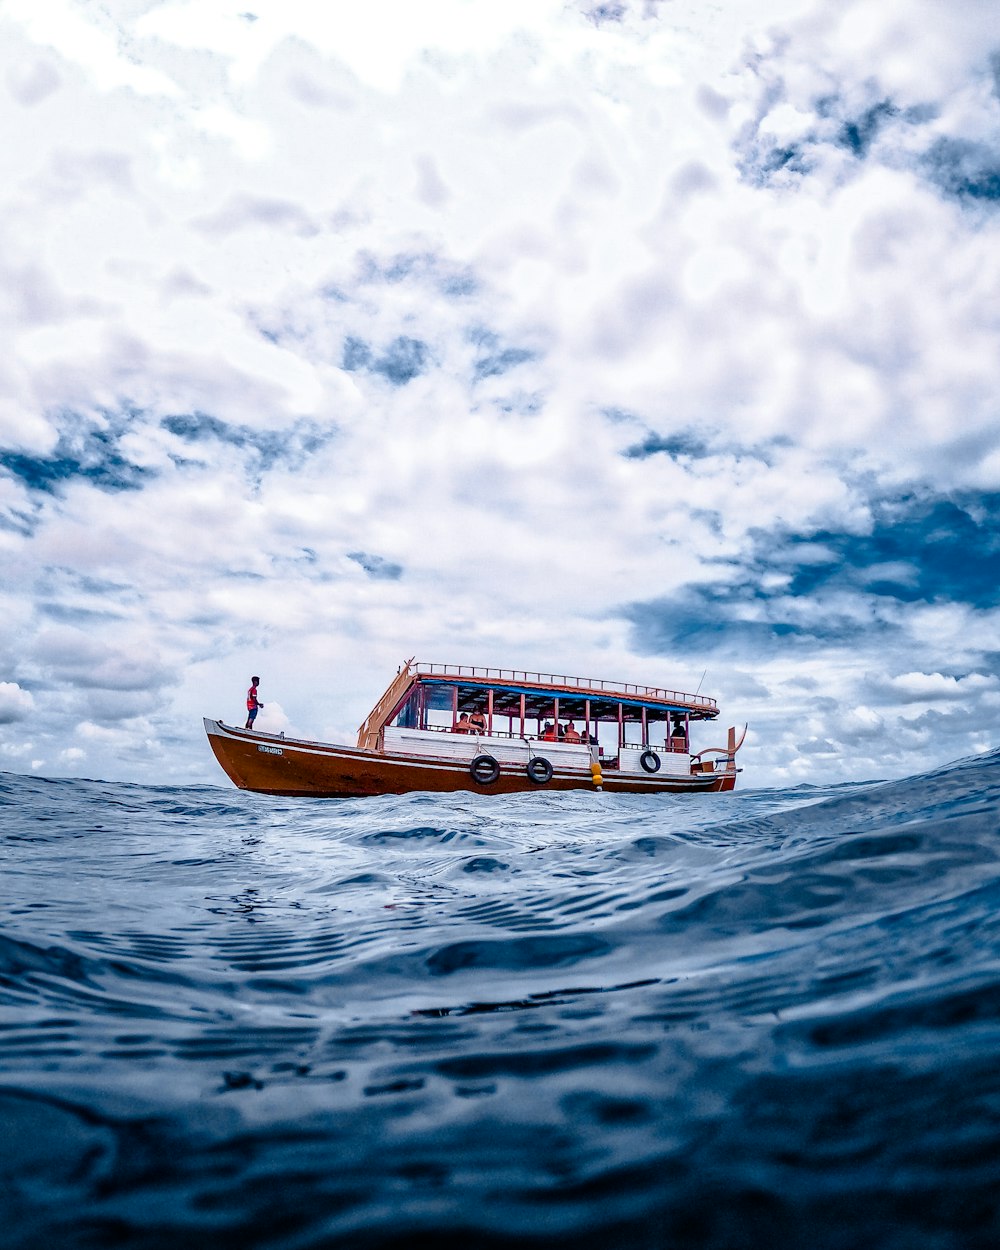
[[713, 1021]]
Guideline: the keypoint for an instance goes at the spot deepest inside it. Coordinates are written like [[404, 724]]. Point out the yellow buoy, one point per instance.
[[595, 774]]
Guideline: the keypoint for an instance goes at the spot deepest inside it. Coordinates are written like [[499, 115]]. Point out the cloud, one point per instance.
[[109, 706], [431, 187], [924, 688], [630, 338], [33, 82], [78, 659], [266, 213], [15, 704]]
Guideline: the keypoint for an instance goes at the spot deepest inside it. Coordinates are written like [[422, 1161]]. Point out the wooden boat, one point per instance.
[[450, 727]]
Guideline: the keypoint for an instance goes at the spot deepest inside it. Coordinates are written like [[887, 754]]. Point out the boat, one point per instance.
[[445, 727]]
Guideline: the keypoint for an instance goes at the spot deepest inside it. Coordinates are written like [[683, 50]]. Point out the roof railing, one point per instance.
[[595, 684]]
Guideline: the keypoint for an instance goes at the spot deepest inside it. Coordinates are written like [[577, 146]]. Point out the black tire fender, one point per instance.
[[539, 770], [649, 762], [485, 769]]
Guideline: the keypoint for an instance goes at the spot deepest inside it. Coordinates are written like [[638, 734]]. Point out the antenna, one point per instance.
[[703, 676]]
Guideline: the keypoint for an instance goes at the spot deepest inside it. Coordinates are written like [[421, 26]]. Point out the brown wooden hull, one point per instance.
[[285, 766]]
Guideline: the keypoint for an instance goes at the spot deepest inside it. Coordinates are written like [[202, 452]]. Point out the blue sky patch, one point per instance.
[[704, 620], [500, 362], [493, 360], [765, 161], [402, 361], [70, 614], [920, 550], [672, 445], [16, 521], [94, 458], [460, 284], [270, 446], [526, 403], [377, 566], [858, 133], [964, 169], [610, 11], [454, 280], [357, 355], [735, 619], [768, 159]]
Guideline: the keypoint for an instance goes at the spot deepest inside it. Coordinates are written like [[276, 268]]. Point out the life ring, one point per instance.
[[484, 769], [649, 761], [539, 770]]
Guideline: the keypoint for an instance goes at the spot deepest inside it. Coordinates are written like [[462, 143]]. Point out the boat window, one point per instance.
[[632, 732], [408, 716], [437, 696], [438, 700], [657, 729], [437, 704]]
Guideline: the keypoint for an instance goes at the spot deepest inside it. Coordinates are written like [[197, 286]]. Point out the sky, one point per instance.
[[652, 340]]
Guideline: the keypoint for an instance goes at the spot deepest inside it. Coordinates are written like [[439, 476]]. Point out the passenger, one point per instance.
[[549, 732], [462, 725], [584, 736], [478, 722], [570, 733]]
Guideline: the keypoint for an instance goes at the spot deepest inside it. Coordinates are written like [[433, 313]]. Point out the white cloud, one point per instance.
[[334, 338], [15, 704], [76, 657], [91, 41], [32, 81], [926, 688]]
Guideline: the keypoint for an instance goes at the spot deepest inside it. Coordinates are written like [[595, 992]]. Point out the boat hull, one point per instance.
[[267, 764]]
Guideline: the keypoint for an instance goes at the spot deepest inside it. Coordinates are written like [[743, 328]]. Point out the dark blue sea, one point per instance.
[[763, 1019]]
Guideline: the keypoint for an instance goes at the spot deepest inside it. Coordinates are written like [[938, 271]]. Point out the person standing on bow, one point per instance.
[[253, 703]]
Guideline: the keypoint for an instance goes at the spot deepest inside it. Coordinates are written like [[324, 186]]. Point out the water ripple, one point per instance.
[[721, 1021]]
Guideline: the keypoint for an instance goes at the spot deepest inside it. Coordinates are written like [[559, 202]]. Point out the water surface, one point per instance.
[[756, 1019]]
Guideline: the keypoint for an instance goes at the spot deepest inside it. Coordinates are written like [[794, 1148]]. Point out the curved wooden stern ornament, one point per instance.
[[729, 750]]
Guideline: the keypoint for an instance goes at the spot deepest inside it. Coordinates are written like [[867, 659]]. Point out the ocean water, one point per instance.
[[769, 1018]]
